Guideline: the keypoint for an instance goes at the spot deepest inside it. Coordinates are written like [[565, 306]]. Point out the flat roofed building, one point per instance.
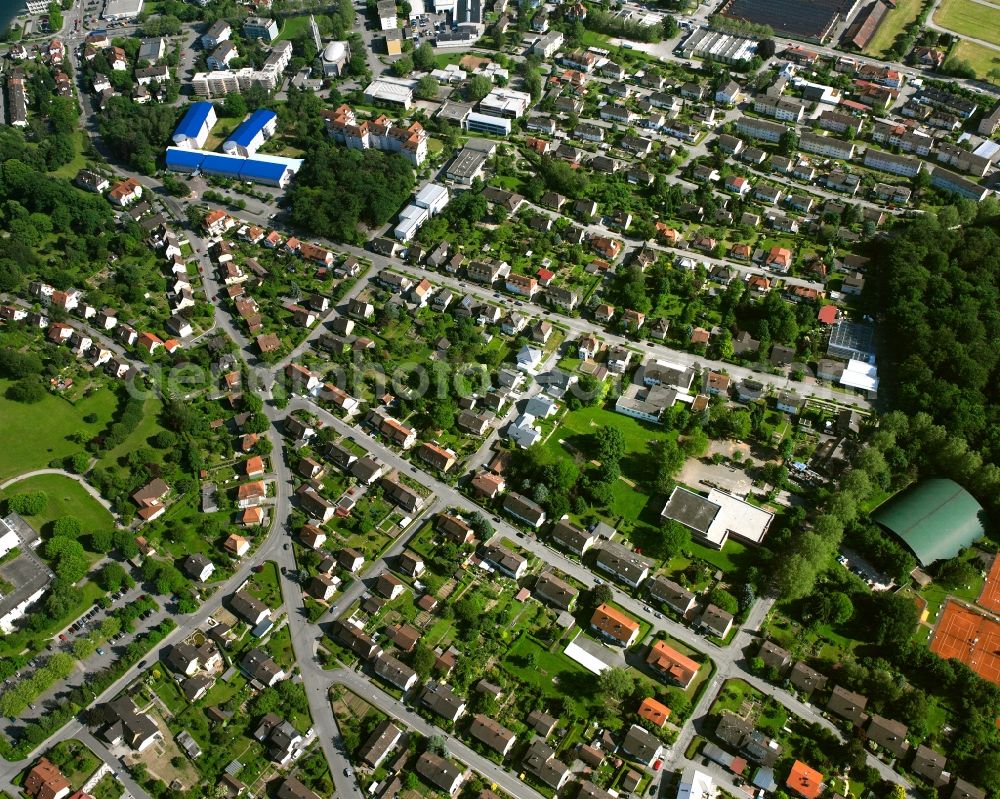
[[386, 90], [507, 103], [715, 517], [477, 122], [467, 165]]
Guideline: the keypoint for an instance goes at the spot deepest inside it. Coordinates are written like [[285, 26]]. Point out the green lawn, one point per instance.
[[293, 28], [544, 669], [35, 435], [108, 788], [279, 644], [148, 427], [638, 435], [265, 585], [66, 498], [982, 59], [970, 19], [167, 689], [903, 14]]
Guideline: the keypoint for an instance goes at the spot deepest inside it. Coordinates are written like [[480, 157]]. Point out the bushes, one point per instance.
[[28, 504], [131, 416]]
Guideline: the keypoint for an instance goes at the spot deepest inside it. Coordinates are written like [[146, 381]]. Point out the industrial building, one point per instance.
[[812, 22], [723, 47]]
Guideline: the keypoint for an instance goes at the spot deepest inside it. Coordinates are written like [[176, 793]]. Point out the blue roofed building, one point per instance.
[[270, 170], [192, 131], [180, 159], [251, 133]]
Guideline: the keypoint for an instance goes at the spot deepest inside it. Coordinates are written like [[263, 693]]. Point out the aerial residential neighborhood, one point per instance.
[[505, 400]]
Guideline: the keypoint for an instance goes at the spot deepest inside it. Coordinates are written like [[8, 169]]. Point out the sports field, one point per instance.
[[969, 18], [990, 597], [970, 637]]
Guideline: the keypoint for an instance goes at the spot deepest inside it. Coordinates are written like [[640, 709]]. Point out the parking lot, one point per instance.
[[726, 477]]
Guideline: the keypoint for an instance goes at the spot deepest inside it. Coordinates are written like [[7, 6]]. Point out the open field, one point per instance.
[[66, 498], [905, 12], [969, 19], [970, 637], [982, 59], [29, 445]]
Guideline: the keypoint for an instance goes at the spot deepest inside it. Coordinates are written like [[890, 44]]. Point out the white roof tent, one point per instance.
[[860, 375]]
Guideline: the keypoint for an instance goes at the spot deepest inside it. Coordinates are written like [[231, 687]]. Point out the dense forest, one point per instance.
[[338, 188], [937, 299], [54, 230]]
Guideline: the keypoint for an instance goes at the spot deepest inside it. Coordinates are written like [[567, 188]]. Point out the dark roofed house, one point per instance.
[[540, 761], [555, 591], [806, 679], [395, 672], [453, 528], [262, 667], [291, 788], [506, 561], [590, 791], [440, 699], [733, 730], [966, 790], [126, 725], [929, 765], [641, 745], [889, 734], [542, 723], [524, 509], [716, 620], [590, 755], [441, 773], [249, 608], [674, 596], [383, 738], [401, 495], [359, 642], [573, 538], [848, 705], [623, 563], [492, 734], [774, 656]]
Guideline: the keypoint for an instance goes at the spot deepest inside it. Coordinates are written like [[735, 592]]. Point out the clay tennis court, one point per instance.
[[971, 638], [990, 597]]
